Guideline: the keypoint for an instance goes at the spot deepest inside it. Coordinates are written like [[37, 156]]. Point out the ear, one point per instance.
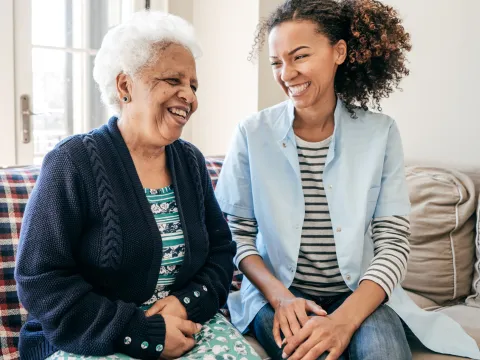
[[124, 85], [340, 49]]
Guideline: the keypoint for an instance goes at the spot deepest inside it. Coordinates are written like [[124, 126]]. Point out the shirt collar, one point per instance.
[[285, 126]]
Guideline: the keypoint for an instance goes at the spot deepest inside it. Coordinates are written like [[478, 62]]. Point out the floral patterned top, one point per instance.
[[165, 212]]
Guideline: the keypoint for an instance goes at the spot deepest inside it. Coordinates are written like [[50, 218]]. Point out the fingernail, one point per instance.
[[284, 341], [199, 327], [284, 356], [324, 312]]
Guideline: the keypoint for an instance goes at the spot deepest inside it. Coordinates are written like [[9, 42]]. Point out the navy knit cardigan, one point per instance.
[[90, 249]]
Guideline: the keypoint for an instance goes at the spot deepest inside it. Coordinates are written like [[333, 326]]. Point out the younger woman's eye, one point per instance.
[[275, 63], [298, 57]]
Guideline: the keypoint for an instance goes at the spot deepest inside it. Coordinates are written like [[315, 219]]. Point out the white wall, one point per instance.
[[228, 81], [438, 112], [7, 90]]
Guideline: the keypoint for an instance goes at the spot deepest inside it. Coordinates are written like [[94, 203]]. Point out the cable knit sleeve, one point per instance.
[[72, 316], [209, 288]]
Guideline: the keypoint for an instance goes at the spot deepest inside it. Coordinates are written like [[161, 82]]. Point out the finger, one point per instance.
[[156, 308], [308, 349], [188, 328], [301, 316], [285, 327], [276, 332], [314, 308], [293, 322], [334, 355], [295, 341], [188, 345]]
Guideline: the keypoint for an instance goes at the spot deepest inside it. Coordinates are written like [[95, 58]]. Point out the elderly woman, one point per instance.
[[124, 250], [305, 179]]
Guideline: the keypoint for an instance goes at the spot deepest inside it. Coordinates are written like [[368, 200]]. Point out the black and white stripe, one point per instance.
[[317, 269], [318, 272]]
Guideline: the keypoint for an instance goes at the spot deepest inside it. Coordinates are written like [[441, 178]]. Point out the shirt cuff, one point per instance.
[[143, 338], [197, 301]]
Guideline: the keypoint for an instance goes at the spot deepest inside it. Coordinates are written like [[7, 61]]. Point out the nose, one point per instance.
[[288, 73], [187, 94]]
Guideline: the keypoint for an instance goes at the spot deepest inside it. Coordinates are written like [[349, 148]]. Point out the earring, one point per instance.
[[126, 99]]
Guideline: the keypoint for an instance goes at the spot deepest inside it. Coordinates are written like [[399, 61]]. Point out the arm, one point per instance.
[[388, 268], [390, 236], [212, 282], [250, 263], [73, 317]]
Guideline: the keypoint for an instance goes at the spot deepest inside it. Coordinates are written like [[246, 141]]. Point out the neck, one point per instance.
[[318, 116], [139, 147]]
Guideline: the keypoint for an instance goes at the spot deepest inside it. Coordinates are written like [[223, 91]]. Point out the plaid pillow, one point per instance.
[[15, 188]]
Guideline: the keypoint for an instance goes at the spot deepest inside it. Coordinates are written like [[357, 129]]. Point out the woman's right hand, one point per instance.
[[291, 314], [179, 336]]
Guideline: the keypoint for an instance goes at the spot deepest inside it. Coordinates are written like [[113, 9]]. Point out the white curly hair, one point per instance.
[[129, 46]]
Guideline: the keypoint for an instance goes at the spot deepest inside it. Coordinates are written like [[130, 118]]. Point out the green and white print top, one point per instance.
[[165, 210]]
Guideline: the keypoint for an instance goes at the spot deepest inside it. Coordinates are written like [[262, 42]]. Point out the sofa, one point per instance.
[[443, 270]]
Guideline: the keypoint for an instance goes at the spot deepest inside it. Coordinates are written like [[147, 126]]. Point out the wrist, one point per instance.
[[347, 322], [277, 299]]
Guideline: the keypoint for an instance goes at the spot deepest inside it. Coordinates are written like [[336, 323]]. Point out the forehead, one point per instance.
[[173, 58], [291, 34]]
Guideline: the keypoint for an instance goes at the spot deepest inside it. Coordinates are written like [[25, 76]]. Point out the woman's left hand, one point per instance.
[[320, 334], [168, 306]]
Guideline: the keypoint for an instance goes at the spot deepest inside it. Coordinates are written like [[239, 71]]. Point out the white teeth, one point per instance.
[[180, 112], [294, 90]]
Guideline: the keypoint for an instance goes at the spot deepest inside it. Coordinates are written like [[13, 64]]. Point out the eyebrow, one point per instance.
[[294, 50]]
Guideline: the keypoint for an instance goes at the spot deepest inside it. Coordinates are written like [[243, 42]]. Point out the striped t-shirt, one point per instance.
[[317, 258], [165, 211], [318, 271]]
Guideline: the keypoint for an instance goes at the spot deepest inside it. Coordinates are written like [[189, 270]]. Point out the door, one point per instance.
[[55, 46]]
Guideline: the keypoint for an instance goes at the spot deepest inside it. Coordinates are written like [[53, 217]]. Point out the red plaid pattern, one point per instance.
[[15, 187], [214, 166]]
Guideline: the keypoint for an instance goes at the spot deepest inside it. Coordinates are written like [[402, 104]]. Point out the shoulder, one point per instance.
[[266, 118], [369, 124]]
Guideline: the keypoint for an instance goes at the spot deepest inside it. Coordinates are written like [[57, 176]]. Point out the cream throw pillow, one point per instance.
[[442, 237]]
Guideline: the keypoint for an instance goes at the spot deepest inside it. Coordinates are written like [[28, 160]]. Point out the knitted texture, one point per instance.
[[90, 250], [111, 252]]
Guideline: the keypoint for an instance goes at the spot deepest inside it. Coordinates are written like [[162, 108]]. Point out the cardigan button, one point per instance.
[[348, 277], [205, 288], [144, 345], [197, 293], [127, 340], [186, 300], [159, 348]]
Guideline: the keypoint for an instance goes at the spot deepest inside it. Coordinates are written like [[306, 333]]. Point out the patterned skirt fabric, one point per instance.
[[218, 340]]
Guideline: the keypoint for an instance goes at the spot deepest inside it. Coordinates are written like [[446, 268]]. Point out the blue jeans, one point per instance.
[[380, 337]]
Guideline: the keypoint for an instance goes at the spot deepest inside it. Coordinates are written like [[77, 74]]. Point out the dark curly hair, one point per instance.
[[376, 44]]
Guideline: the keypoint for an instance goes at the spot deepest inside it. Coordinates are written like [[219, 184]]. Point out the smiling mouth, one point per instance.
[[179, 112], [298, 90]]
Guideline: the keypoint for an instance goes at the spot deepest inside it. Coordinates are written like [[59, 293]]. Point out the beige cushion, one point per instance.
[[422, 302], [474, 299], [257, 347], [442, 241]]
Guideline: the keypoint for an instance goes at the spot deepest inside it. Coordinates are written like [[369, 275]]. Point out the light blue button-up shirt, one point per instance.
[[363, 178]]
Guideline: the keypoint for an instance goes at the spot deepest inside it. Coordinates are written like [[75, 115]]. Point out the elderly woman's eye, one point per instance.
[[194, 88], [173, 81]]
